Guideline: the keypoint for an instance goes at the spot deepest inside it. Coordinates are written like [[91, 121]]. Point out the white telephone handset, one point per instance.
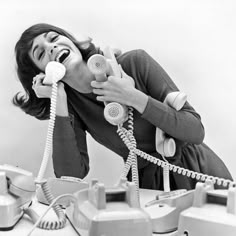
[[54, 71], [166, 146], [101, 67]]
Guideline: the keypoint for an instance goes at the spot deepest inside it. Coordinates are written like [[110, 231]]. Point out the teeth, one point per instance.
[[60, 54]]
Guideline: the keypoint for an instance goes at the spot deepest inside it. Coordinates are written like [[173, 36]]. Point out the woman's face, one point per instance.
[[52, 46]]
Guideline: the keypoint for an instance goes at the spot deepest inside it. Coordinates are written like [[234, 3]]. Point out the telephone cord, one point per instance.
[[166, 176], [51, 124], [129, 140], [40, 178], [125, 135], [37, 220]]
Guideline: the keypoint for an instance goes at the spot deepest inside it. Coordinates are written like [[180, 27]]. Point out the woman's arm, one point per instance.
[[185, 124], [70, 156], [152, 84]]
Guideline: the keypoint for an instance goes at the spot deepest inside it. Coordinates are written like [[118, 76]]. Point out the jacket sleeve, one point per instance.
[[185, 124], [70, 156]]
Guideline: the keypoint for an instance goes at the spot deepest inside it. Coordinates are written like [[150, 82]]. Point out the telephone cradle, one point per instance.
[[213, 212], [109, 211]]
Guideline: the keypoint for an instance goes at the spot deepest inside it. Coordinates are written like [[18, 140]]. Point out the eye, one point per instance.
[[40, 55], [54, 38]]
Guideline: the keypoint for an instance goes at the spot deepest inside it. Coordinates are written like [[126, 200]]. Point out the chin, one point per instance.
[[73, 64]]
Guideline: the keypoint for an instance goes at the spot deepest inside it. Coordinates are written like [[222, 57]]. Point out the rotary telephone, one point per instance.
[[17, 188]]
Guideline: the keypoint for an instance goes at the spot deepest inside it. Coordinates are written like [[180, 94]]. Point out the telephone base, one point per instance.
[[209, 220], [8, 228], [114, 212], [165, 212], [213, 212], [10, 212]]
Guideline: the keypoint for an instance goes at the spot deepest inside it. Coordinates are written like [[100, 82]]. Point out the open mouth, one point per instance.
[[62, 55]]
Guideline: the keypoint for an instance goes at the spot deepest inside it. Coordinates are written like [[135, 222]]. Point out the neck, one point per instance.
[[81, 78]]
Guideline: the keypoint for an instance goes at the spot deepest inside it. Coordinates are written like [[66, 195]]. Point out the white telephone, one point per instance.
[[166, 146], [213, 212], [16, 191], [101, 67], [109, 211]]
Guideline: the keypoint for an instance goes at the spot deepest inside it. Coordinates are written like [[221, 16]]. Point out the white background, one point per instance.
[[194, 41]]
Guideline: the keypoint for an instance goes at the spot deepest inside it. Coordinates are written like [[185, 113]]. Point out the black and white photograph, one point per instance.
[[118, 118]]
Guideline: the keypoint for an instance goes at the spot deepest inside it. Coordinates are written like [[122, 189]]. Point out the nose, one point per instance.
[[53, 47]]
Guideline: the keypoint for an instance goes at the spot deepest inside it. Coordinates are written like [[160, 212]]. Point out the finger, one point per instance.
[[96, 84], [98, 91], [101, 98], [43, 91], [40, 75], [38, 82], [60, 85]]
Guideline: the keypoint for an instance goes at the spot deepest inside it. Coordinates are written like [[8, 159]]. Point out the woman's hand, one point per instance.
[[41, 90], [44, 91], [121, 90], [114, 89]]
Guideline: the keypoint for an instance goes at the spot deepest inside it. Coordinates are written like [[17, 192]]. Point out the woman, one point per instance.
[[80, 108]]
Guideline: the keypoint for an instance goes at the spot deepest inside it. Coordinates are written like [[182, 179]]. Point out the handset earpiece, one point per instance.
[[164, 145], [54, 71]]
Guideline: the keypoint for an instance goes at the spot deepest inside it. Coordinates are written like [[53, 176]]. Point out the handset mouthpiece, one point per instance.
[[54, 71]]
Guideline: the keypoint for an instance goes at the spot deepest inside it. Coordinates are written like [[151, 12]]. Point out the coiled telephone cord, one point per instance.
[[129, 140], [47, 151]]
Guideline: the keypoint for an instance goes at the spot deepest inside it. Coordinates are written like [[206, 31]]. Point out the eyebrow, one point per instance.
[[44, 35]]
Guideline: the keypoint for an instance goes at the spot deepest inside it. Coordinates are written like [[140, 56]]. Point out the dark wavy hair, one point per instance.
[[26, 69]]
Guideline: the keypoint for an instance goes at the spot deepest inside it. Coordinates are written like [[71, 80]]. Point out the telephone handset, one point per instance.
[[54, 71], [16, 191], [164, 145], [101, 67]]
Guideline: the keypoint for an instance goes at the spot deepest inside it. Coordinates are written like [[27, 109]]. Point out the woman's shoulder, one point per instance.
[[132, 55], [134, 58]]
